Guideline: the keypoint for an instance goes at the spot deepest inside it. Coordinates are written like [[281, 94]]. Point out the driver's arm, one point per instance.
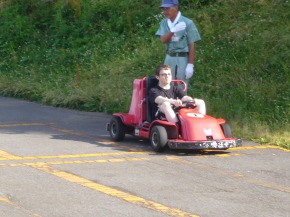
[[160, 99], [186, 98]]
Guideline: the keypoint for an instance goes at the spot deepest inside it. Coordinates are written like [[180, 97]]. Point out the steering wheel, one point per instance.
[[186, 104], [189, 103]]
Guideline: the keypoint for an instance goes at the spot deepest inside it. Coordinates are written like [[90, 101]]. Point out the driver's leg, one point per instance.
[[200, 106], [168, 111]]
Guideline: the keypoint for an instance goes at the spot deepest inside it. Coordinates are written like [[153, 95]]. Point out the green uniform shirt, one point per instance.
[[180, 40]]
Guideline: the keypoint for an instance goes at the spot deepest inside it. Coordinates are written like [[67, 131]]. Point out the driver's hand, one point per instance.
[[193, 103], [177, 102]]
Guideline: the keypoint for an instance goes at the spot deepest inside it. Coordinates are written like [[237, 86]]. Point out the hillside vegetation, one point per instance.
[[85, 54]]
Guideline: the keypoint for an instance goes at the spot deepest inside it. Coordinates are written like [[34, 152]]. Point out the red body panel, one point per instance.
[[137, 107], [196, 126], [127, 119], [137, 112]]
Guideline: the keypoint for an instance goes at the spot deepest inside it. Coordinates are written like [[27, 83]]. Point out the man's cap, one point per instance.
[[168, 3]]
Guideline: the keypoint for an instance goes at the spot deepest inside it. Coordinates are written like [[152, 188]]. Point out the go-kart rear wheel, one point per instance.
[[117, 129], [158, 138], [227, 130]]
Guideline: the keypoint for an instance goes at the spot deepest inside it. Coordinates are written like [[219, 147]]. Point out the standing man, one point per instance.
[[179, 34]]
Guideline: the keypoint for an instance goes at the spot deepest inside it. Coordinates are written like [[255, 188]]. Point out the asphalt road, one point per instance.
[[61, 163]]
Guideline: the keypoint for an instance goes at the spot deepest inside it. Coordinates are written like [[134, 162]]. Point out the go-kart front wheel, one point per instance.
[[227, 130], [117, 129], [158, 138]]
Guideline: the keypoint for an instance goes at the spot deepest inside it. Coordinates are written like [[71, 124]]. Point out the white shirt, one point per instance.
[[172, 24]]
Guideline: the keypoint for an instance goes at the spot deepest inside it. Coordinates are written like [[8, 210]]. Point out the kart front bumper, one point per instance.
[[214, 144]]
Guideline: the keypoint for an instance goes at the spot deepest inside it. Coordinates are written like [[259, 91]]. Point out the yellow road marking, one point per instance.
[[115, 193], [4, 200], [12, 165], [114, 160], [22, 125], [6, 156], [260, 147]]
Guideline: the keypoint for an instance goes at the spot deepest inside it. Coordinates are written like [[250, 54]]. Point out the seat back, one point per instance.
[[151, 81]]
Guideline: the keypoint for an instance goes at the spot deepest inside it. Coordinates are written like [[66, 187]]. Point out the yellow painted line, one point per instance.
[[22, 125], [260, 147], [4, 200], [115, 193], [224, 155], [114, 160], [6, 156], [219, 155], [12, 165], [178, 159]]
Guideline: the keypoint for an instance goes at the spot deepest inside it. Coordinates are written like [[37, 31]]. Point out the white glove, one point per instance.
[[177, 102], [178, 27], [189, 71]]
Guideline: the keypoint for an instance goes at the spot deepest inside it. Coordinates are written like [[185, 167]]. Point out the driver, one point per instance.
[[165, 95]]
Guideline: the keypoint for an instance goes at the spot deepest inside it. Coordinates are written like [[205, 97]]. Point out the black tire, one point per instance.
[[158, 138], [117, 129], [227, 130]]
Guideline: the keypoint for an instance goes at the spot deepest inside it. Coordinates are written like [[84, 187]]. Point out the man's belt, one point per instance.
[[178, 54]]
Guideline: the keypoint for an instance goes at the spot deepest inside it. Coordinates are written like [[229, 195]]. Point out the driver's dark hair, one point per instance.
[[160, 68]]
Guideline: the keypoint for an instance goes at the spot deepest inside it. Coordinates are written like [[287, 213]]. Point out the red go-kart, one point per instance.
[[193, 131]]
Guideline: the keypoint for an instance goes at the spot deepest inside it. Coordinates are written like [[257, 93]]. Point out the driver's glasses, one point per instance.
[[166, 9], [165, 74]]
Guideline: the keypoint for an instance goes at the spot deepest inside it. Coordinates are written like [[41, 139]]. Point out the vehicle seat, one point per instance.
[[151, 81]]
